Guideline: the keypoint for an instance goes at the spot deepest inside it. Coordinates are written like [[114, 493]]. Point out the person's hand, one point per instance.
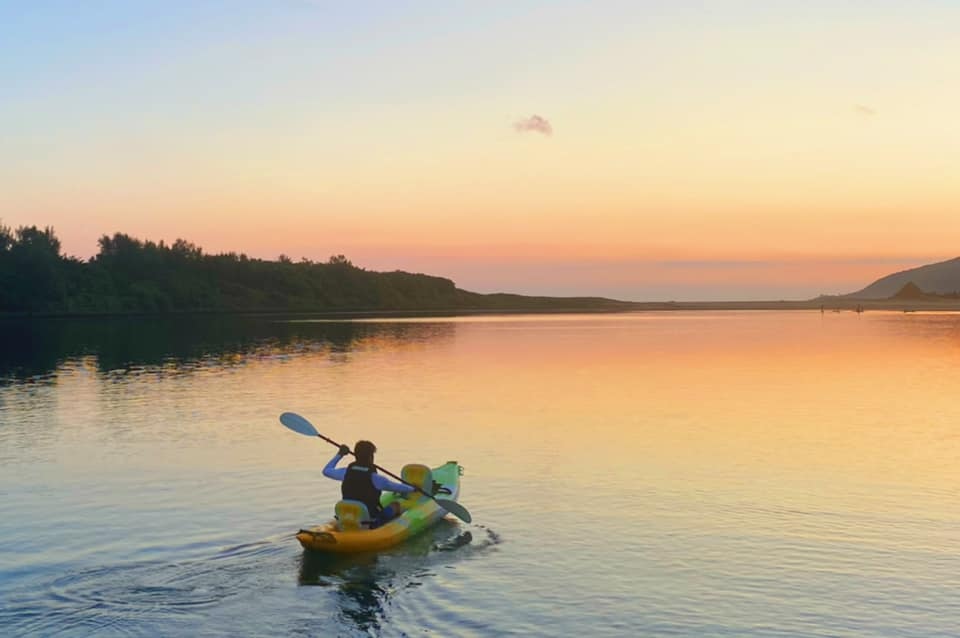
[[344, 450]]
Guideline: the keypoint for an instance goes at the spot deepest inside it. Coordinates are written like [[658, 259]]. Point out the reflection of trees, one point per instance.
[[37, 347]]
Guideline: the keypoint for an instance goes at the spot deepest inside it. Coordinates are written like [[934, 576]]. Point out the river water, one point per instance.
[[660, 474]]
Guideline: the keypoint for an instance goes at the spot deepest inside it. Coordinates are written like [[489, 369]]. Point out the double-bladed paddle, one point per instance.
[[300, 425]]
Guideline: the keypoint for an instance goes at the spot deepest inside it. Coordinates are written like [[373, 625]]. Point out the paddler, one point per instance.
[[360, 481]]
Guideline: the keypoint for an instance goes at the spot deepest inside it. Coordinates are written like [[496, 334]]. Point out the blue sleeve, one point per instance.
[[332, 471], [386, 485]]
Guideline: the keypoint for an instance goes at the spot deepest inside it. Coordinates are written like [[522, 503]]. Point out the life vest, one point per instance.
[[358, 486]]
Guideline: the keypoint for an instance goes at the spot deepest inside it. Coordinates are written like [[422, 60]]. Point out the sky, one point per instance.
[[635, 150]]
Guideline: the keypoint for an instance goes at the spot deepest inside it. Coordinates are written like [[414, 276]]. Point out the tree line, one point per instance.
[[129, 275]]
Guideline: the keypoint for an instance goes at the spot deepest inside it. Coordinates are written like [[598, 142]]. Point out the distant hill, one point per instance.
[[910, 291], [942, 278]]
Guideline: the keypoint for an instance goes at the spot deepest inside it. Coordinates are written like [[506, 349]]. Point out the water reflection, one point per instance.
[[138, 597], [36, 348], [366, 583], [362, 586], [745, 474]]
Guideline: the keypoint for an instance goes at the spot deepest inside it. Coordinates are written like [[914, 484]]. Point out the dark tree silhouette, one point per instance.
[[129, 275]]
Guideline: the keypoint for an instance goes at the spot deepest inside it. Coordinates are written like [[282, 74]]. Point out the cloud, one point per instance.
[[534, 123], [864, 110]]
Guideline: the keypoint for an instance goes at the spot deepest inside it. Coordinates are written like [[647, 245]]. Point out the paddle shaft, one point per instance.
[[301, 426]]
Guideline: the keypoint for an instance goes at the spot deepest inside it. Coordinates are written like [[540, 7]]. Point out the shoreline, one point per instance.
[[614, 307]]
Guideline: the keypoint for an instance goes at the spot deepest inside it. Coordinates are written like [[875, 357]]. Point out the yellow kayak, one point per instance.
[[348, 533]]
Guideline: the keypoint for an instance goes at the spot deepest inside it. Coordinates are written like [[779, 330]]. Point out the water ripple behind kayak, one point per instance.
[[136, 598]]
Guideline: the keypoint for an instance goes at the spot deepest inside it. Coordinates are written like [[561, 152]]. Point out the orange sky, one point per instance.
[[749, 152]]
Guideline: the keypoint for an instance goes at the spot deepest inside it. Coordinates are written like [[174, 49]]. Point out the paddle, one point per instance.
[[300, 425]]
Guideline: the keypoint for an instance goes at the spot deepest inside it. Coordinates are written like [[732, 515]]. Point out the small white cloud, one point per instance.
[[864, 110], [534, 123]]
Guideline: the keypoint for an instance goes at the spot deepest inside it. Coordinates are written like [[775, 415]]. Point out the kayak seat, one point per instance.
[[419, 475], [352, 515]]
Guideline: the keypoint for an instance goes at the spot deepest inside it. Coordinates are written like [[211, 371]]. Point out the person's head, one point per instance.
[[364, 451]]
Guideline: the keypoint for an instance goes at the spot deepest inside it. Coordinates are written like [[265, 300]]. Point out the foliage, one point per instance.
[[129, 275]]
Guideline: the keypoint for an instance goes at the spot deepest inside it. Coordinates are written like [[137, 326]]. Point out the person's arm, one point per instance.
[[384, 484], [332, 471]]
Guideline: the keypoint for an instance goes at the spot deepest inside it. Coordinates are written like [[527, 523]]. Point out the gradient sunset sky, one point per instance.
[[637, 150]]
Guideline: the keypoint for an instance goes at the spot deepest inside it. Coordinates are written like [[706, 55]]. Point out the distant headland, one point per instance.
[[133, 276], [930, 287]]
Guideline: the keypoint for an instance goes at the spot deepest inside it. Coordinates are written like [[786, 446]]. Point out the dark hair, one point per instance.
[[364, 451]]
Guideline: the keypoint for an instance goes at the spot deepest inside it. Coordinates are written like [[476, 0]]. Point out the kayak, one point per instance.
[[346, 534]]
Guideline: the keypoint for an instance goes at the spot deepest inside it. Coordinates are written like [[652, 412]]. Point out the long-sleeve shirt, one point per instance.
[[380, 482]]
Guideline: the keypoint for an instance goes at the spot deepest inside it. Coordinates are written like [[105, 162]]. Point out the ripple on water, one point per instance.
[[359, 594], [129, 599], [368, 592]]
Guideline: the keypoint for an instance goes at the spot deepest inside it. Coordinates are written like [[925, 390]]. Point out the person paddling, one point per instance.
[[360, 481]]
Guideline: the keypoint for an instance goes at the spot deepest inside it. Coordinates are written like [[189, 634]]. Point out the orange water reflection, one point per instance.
[[803, 405], [799, 397]]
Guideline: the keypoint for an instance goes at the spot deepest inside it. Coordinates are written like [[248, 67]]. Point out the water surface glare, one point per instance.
[[662, 474]]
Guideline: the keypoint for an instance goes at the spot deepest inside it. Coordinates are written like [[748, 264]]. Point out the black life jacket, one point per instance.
[[358, 486]]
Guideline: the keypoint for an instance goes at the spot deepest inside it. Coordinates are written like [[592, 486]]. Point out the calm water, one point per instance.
[[676, 474]]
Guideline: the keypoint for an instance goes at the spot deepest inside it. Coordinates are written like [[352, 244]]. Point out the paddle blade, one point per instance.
[[455, 508], [298, 424]]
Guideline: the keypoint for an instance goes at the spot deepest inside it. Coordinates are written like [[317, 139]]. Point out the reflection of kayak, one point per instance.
[[344, 536]]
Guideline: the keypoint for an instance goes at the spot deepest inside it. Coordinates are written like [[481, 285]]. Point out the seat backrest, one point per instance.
[[419, 475], [352, 515]]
